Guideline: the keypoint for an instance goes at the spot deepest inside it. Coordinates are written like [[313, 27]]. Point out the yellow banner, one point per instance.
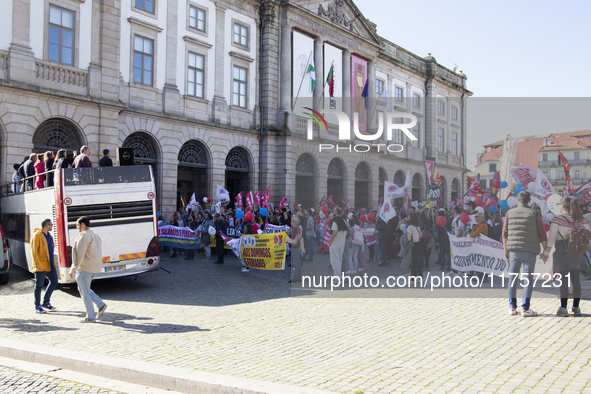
[[264, 251]]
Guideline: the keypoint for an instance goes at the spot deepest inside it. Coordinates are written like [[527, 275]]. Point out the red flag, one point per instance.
[[566, 166], [249, 201], [266, 197], [239, 200], [323, 201], [283, 202], [331, 201], [257, 198]]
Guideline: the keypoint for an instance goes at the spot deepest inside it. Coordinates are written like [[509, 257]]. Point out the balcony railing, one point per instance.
[[554, 163], [61, 74]]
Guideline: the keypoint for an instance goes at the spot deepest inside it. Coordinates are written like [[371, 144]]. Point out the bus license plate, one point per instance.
[[115, 268]]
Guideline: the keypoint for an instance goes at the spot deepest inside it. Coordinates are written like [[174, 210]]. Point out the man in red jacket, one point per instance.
[[82, 160]]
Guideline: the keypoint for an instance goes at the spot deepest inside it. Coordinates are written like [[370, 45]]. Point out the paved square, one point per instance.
[[215, 318]]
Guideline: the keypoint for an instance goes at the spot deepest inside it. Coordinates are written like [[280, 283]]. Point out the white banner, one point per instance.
[[543, 185], [392, 191], [480, 254], [303, 49], [524, 175], [387, 212]]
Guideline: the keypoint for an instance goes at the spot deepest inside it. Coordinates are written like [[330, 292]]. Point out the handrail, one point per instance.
[[6, 190]]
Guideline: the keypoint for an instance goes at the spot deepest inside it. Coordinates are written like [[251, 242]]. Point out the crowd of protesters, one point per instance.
[[36, 171], [411, 237]]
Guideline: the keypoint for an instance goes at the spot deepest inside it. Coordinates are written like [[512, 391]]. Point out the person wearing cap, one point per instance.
[[481, 227], [522, 245]]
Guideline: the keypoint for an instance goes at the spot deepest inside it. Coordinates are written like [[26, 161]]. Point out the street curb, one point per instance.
[[145, 373]]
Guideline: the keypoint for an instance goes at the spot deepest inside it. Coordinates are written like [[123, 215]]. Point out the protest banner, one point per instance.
[[524, 175], [179, 237], [264, 251], [326, 238], [480, 254]]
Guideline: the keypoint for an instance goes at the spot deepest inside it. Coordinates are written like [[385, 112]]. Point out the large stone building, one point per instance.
[[204, 92]]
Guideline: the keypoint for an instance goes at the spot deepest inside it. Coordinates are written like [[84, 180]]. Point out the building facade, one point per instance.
[[205, 92], [540, 152]]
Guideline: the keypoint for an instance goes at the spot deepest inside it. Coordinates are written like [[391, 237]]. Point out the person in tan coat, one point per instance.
[[43, 265], [86, 262]]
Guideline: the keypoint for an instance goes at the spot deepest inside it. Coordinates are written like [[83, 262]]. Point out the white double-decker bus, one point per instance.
[[120, 203]]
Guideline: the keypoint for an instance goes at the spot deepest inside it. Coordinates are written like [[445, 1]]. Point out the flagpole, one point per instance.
[[375, 108], [302, 81]]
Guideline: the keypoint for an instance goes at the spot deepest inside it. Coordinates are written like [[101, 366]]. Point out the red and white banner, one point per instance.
[[524, 175], [434, 189], [582, 190], [249, 199], [239, 200], [480, 254], [283, 202], [257, 198], [566, 166]]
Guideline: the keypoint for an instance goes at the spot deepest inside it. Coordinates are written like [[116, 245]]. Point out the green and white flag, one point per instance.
[[311, 71]]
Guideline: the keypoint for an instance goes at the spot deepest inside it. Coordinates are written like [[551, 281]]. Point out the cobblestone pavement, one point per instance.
[[215, 318], [15, 381]]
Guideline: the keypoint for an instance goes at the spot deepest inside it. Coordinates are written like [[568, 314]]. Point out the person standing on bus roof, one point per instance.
[[86, 262], [106, 160], [39, 170], [29, 168], [16, 179], [43, 265], [82, 160], [49, 159]]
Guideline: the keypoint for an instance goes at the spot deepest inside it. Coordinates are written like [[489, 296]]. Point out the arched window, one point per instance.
[[399, 178], [145, 151], [237, 173], [306, 181], [362, 189], [54, 134], [192, 175]]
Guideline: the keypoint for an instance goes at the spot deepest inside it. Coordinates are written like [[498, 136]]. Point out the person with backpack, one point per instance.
[[523, 232], [571, 233]]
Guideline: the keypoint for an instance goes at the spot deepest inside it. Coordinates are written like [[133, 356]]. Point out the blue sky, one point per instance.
[[507, 49]]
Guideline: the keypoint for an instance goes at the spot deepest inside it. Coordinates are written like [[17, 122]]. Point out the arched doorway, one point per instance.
[[145, 152], [237, 173], [55, 134], [335, 180], [455, 189], [362, 188], [443, 197], [417, 184], [382, 177], [305, 181], [192, 172]]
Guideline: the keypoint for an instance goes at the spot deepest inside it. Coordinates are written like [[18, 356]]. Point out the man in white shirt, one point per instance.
[[87, 261], [16, 186]]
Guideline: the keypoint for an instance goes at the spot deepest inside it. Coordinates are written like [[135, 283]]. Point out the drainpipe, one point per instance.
[[261, 11]]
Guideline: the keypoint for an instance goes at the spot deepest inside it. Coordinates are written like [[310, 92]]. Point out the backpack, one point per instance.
[[578, 241], [492, 233]]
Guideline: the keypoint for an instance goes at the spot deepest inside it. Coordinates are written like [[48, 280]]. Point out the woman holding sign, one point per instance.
[[295, 240]]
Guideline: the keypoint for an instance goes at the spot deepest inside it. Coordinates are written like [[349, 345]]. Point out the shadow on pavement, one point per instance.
[[119, 320], [31, 325]]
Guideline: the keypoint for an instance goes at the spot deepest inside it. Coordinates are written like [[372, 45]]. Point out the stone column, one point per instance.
[[319, 65], [171, 101], [286, 99], [220, 105], [347, 82], [110, 49], [372, 97], [21, 63], [94, 69]]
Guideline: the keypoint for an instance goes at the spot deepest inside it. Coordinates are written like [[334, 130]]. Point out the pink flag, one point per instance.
[[266, 198]]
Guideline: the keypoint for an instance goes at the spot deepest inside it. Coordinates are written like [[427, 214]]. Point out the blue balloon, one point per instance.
[[264, 211], [504, 205], [158, 214], [239, 214], [493, 209], [504, 184], [518, 188]]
